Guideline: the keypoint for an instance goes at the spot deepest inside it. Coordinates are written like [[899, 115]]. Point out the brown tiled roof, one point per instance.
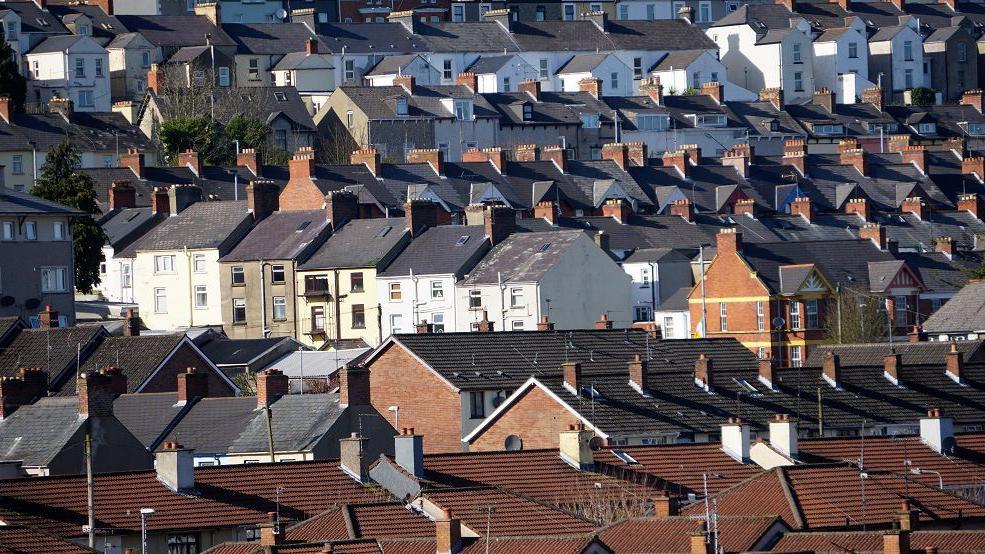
[[681, 466], [836, 495], [871, 542], [227, 496], [15, 539], [672, 534], [327, 526], [512, 516], [540, 545], [369, 520], [538, 474]]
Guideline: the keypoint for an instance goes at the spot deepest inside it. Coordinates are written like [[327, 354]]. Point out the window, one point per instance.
[[595, 7], [516, 325], [908, 51], [125, 270], [238, 275], [288, 78], [254, 71], [358, 316], [651, 11], [645, 278], [163, 264], [356, 282], [99, 67], [17, 165], [796, 53], [108, 161], [704, 12], [796, 359], [798, 81], [650, 122], [12, 29], [437, 289], [35, 69], [722, 316], [795, 322], [506, 84], [224, 76], [760, 316], [31, 230], [396, 320], [623, 11], [613, 80], [239, 310], [541, 14], [80, 67], [927, 128], [543, 72], [182, 544], [569, 12], [813, 321], [962, 52], [458, 13], [477, 405], [317, 319], [280, 138], [483, 8], [86, 99], [463, 110], [198, 263], [828, 129], [58, 230], [696, 80], [145, 58], [853, 50], [668, 328], [589, 121], [201, 296], [908, 78], [528, 112], [642, 313], [516, 297], [350, 71], [395, 293], [899, 309], [280, 308], [160, 301], [446, 71], [8, 230], [277, 274], [54, 279], [475, 299], [438, 322], [350, 119], [761, 352]]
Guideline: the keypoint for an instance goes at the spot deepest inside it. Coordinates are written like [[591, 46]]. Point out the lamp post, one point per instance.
[[144, 513]]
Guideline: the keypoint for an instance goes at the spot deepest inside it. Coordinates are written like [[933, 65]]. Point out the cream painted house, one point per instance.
[[176, 268], [337, 295]]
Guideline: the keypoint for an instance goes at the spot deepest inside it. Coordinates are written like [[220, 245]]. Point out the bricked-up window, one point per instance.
[[395, 293], [475, 299], [795, 322], [477, 405], [277, 273], [239, 310], [813, 320], [358, 316], [356, 282], [184, 543], [723, 316], [760, 316], [238, 276], [317, 318]]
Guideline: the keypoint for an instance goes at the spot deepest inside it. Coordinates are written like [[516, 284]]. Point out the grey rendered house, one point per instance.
[[37, 260], [953, 57]]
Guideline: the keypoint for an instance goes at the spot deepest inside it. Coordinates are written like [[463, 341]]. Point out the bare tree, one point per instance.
[[855, 317]]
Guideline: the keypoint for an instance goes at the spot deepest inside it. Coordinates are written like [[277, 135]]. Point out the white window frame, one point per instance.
[[198, 263], [30, 230], [201, 297], [164, 264], [58, 230], [723, 317], [437, 289], [796, 315], [9, 231], [517, 299], [54, 279], [279, 311], [160, 300]]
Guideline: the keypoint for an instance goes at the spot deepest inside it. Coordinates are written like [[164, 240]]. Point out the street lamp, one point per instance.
[[144, 513]]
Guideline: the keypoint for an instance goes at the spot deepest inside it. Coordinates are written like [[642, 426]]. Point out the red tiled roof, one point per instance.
[[900, 455], [817, 497], [15, 539], [227, 496], [682, 466], [512, 516], [371, 520], [871, 542], [540, 545], [407, 546], [672, 534], [538, 474]]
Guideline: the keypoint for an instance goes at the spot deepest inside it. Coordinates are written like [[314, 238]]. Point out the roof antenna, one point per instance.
[[473, 358]]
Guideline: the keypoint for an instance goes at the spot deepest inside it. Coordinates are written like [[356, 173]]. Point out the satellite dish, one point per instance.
[[7, 301], [779, 322], [32, 304], [282, 14], [596, 444], [514, 442]]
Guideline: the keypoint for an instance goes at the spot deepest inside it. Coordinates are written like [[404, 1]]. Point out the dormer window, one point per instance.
[[84, 30], [927, 128], [829, 129], [463, 110], [528, 112], [589, 121], [774, 125], [652, 122], [401, 105], [976, 129], [709, 120]]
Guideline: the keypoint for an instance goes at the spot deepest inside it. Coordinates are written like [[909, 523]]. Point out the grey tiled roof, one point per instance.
[[523, 257], [440, 250], [426, 101], [148, 415], [124, 226], [848, 262], [940, 273], [963, 313], [20, 203], [269, 38], [201, 225], [912, 353], [677, 60], [489, 64], [361, 243], [137, 358], [212, 424], [32, 16], [282, 236], [582, 63], [224, 351], [391, 65], [89, 132], [53, 350], [59, 43], [299, 422], [371, 38], [35, 434], [175, 31]]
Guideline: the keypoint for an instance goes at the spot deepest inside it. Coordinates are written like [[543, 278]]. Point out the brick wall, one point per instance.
[[166, 379], [301, 194], [427, 403], [535, 417]]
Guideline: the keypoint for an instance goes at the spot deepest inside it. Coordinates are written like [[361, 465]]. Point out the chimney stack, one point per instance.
[[556, 154], [262, 198], [678, 160], [182, 196], [354, 387], [767, 373], [29, 385], [368, 157], [913, 205], [155, 79], [575, 447], [652, 88], [783, 435], [728, 241], [974, 166], [874, 232], [896, 541], [745, 206], [311, 46], [495, 155], [699, 539], [916, 155], [271, 385], [526, 152], [955, 364], [603, 322], [715, 90], [302, 163], [859, 207], [48, 319], [773, 96], [937, 431], [531, 87], [547, 210], [592, 86], [972, 98], [175, 467], [664, 505], [160, 203], [873, 96], [803, 207], [683, 208], [408, 451], [134, 160], [500, 223], [739, 157], [270, 532], [735, 439], [95, 394], [447, 533], [420, 215], [434, 157], [190, 159], [191, 385], [406, 82], [249, 159], [122, 195], [341, 206], [572, 376], [971, 203], [638, 378], [892, 367], [703, 371], [353, 457], [831, 369], [617, 208], [468, 80], [909, 518], [484, 325], [854, 157], [616, 152], [795, 154], [5, 109], [825, 98], [944, 245], [545, 324]]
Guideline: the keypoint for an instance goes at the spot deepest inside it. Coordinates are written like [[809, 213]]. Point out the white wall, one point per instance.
[[457, 134], [56, 73], [680, 322], [178, 287], [831, 61], [624, 81], [416, 303], [111, 284]]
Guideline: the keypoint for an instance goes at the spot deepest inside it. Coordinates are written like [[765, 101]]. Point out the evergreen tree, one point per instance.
[[61, 182], [12, 83]]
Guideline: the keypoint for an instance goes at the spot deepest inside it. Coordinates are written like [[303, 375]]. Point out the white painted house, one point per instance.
[[71, 66], [501, 73], [841, 52], [765, 46], [689, 69], [616, 77], [657, 274], [130, 58], [310, 72], [383, 73], [561, 275], [896, 56]]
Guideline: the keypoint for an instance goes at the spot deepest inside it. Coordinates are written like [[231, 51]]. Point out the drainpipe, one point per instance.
[[191, 288], [294, 295], [338, 310], [263, 301]]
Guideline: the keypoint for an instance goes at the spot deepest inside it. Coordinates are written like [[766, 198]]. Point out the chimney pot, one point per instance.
[[175, 467], [937, 431]]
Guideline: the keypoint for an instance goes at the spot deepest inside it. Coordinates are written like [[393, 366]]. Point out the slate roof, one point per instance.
[[201, 225], [123, 226], [963, 313], [20, 203], [371, 38], [426, 101], [281, 236], [299, 422], [102, 132], [361, 243], [148, 415], [32, 17], [512, 515], [523, 257], [212, 425], [225, 351], [440, 250], [582, 63], [912, 353], [137, 357], [489, 64], [678, 60], [53, 350], [951, 120], [269, 38], [176, 31], [35, 434], [391, 65], [59, 43]]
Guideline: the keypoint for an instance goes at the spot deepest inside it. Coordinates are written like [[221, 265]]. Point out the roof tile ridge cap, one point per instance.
[[350, 524], [795, 508]]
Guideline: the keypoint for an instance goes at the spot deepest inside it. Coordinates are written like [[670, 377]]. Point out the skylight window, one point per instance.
[[462, 240], [544, 247], [383, 232], [624, 456], [304, 225], [280, 96]]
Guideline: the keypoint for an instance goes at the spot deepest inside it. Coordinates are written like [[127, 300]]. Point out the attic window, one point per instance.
[[747, 387], [544, 247], [528, 112], [280, 96], [624, 456], [589, 391], [304, 225], [774, 125], [462, 240], [107, 26], [927, 128], [42, 22], [383, 232], [401, 105]]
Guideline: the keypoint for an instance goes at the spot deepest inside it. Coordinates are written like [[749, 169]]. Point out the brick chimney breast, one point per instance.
[[122, 195], [271, 384], [192, 384], [683, 208]]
